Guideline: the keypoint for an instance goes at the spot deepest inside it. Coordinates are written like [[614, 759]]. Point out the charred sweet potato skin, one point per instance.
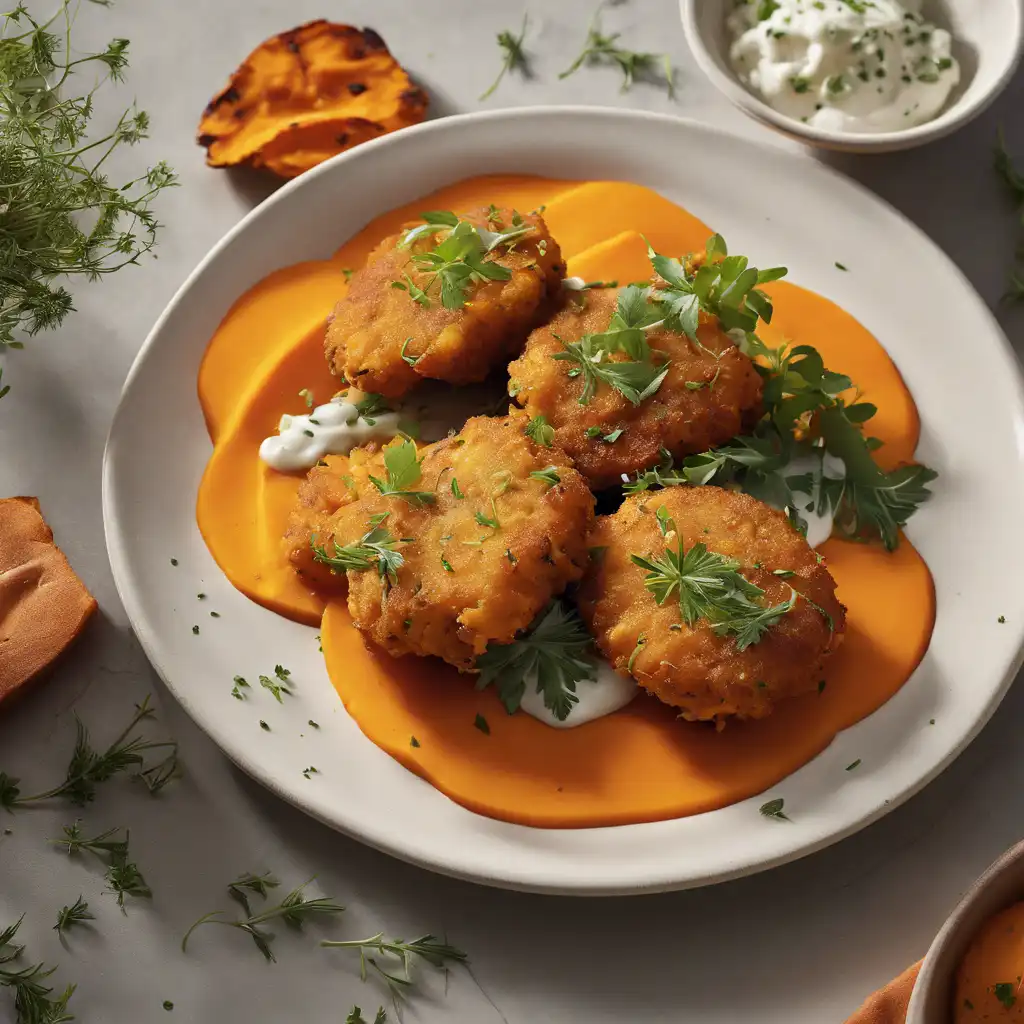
[[306, 95]]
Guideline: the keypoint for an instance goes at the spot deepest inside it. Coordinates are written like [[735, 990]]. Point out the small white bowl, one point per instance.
[[988, 39], [999, 887]]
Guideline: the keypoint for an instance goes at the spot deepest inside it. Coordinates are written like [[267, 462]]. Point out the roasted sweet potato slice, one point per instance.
[[43, 604], [305, 95]]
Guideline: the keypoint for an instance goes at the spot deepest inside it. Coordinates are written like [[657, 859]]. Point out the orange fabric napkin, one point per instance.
[[889, 1005]]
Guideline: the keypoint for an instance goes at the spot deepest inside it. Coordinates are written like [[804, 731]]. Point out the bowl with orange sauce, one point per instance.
[[974, 970]]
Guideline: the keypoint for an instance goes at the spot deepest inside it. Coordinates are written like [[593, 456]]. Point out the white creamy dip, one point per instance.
[[844, 65], [332, 429], [597, 698]]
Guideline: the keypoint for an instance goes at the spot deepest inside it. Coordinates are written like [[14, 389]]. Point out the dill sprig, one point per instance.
[[428, 948], [294, 909], [123, 875], [601, 49], [34, 1002], [77, 913], [514, 56], [59, 213], [89, 767]]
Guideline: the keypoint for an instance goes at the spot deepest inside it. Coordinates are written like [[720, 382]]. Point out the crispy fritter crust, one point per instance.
[[702, 674], [372, 323], [680, 419], [463, 584], [332, 483]]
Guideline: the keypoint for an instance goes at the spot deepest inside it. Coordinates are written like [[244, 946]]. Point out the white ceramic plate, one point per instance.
[[771, 204]]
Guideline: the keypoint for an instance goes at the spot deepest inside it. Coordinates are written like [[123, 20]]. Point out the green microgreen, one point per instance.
[[553, 655], [549, 475]]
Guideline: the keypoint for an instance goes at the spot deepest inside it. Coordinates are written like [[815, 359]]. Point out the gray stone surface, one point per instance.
[[799, 945]]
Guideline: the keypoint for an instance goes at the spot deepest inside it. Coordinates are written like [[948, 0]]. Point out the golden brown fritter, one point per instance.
[[702, 402], [371, 325], [482, 560], [335, 481], [692, 668]]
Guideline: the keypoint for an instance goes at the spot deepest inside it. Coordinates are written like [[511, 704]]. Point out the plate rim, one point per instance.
[[132, 600]]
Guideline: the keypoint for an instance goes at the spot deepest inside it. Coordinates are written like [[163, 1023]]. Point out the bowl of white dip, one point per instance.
[[858, 75]]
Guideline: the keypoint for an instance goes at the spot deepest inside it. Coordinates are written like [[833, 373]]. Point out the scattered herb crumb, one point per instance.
[[1005, 992], [315, 725], [840, 266], [264, 726], [413, 742], [774, 809], [851, 767], [168, 1005], [481, 723], [201, 597], [1001, 619], [310, 771], [174, 561], [195, 630], [214, 615], [931, 721]]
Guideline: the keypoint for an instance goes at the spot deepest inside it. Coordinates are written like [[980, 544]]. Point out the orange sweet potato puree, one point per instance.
[[641, 763], [988, 981]]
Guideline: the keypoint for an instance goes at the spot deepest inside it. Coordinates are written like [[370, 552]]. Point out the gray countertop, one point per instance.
[[803, 944]]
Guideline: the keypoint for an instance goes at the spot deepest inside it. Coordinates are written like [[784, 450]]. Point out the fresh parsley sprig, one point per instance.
[[403, 470], [638, 375], [427, 948], [294, 910], [554, 655], [601, 49], [90, 767], [61, 213], [724, 286], [709, 586], [459, 261], [514, 55], [34, 1002]]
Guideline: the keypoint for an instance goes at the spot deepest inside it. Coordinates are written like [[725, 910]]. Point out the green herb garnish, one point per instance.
[[774, 809], [33, 999], [68, 917], [552, 654], [481, 723], [549, 475], [355, 1016], [376, 549], [1006, 993], [602, 49], [540, 431], [294, 910], [62, 215], [403, 470], [513, 55], [710, 587], [427, 948]]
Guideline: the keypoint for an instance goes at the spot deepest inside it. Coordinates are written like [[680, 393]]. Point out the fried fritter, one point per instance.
[[384, 341], [332, 483], [705, 675], [704, 400], [506, 530]]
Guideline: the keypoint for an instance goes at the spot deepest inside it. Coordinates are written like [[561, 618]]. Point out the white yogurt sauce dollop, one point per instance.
[[332, 429], [844, 65], [598, 697]]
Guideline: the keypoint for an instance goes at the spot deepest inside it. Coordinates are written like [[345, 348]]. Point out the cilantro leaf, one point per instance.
[[403, 470], [553, 654], [549, 475], [539, 430]]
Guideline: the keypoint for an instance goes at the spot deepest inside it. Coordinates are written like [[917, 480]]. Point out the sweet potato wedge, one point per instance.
[[306, 95], [43, 604]]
